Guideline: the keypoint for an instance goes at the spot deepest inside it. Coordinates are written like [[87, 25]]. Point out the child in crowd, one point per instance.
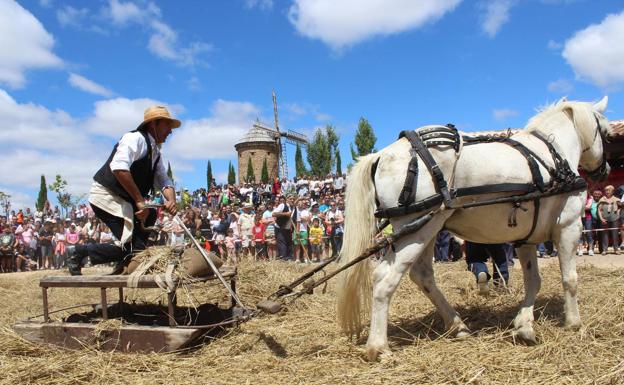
[[59, 249], [271, 243], [23, 261], [258, 232], [230, 246], [316, 237]]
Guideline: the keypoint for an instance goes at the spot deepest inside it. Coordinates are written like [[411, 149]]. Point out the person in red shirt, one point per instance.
[[257, 232]]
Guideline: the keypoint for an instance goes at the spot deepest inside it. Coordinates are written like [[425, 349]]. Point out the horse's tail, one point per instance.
[[354, 287]]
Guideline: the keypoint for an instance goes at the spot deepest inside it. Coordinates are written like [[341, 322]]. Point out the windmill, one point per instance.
[[289, 137]]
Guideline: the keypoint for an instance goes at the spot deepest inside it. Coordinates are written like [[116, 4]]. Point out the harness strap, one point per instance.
[[415, 207], [530, 156], [422, 150], [493, 188], [407, 193]]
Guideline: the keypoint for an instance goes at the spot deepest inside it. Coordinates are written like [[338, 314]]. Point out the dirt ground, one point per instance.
[[303, 345]]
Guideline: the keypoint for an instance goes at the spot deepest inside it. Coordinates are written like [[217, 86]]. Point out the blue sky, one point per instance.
[[76, 75]]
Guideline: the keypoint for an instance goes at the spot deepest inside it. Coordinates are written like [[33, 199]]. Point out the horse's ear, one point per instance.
[[601, 106], [569, 112]]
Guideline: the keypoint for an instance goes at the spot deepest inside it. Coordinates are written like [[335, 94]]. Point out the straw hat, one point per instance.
[[158, 112]]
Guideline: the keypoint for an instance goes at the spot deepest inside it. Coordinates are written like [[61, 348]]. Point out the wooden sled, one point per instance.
[[168, 330]]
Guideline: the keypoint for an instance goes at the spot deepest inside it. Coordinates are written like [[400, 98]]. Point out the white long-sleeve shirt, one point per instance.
[[132, 147]]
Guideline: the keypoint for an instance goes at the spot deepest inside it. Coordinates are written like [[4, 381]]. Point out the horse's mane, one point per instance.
[[581, 113]]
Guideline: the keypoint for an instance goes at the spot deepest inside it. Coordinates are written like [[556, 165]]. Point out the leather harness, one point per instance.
[[562, 178]]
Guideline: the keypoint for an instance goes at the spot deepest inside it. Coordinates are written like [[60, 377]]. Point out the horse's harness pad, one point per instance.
[[562, 178]]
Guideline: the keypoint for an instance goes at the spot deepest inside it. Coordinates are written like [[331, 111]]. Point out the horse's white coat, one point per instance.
[[572, 128]]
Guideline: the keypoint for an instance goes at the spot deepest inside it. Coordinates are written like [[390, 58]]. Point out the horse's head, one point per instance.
[[594, 132]]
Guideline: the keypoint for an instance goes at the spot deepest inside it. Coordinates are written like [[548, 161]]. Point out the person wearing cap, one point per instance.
[[133, 169], [245, 225]]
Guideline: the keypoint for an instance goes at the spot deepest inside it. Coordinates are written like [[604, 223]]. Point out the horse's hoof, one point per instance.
[[526, 334], [462, 334], [376, 354], [572, 325]]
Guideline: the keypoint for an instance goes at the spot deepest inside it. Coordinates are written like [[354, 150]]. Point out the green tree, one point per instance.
[[231, 174], [300, 167], [265, 172], [365, 139], [251, 178], [5, 203], [338, 163], [42, 198], [63, 197], [170, 173], [209, 175], [332, 141], [319, 154]]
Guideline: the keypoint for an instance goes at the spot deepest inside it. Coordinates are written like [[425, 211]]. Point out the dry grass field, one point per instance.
[[302, 344]]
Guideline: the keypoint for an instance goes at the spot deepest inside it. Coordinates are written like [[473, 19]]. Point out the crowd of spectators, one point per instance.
[[296, 220], [235, 221]]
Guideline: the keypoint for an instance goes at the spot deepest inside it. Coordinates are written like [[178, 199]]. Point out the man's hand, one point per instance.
[[142, 212], [171, 207]]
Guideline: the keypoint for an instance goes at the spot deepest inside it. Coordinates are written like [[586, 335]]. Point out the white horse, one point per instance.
[[574, 128]]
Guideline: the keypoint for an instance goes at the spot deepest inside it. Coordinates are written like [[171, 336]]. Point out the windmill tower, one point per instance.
[[263, 142], [282, 138]]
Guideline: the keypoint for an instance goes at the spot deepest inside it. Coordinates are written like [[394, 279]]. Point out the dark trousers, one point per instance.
[[614, 235], [442, 244], [477, 255], [283, 238], [104, 253], [337, 244]]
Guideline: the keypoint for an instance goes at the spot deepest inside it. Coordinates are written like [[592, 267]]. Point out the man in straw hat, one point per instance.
[[120, 187]]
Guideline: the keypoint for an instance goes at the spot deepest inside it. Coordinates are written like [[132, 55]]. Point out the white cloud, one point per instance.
[[596, 53], [87, 85], [42, 141], [163, 41], [18, 200], [69, 15], [114, 117], [214, 136], [503, 114], [24, 44], [496, 14], [45, 3], [344, 23], [554, 46], [123, 13], [47, 142], [194, 84], [262, 4], [560, 86]]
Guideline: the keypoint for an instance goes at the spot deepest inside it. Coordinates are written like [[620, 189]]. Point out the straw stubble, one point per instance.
[[303, 344]]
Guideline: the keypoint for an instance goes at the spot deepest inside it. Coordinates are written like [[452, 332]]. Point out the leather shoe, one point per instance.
[[74, 262]]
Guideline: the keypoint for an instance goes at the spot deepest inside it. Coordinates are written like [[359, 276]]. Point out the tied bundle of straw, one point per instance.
[[169, 265]]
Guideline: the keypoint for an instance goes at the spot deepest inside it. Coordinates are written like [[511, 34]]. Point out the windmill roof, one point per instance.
[[257, 134]]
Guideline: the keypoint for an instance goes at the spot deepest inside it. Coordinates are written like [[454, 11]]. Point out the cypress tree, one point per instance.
[[42, 198], [299, 165], [209, 175], [265, 172], [251, 178], [338, 163], [231, 174], [169, 172]]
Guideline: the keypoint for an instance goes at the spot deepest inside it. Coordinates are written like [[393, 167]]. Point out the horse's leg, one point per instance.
[[523, 322], [567, 241], [386, 278], [422, 275]]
